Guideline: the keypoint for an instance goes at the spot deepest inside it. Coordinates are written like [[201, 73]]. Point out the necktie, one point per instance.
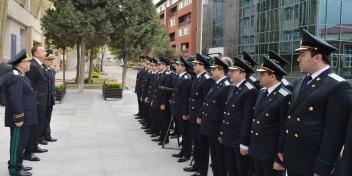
[[305, 82], [264, 96]]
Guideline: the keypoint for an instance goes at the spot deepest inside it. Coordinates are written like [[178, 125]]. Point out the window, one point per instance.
[[287, 36], [172, 22], [22, 36], [183, 32], [218, 23], [184, 20], [173, 11], [172, 37], [185, 46], [288, 13], [348, 58], [184, 3]]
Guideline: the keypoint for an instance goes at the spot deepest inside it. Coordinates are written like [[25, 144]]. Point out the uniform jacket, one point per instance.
[[212, 110], [199, 91], [316, 124], [21, 99], [268, 123], [238, 114]]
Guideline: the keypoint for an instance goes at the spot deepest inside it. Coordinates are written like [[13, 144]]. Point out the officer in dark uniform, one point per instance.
[[282, 62], [238, 114], [212, 113], [153, 111], [200, 87], [269, 119], [319, 111], [160, 99], [139, 79], [48, 67], [183, 85], [4, 69], [250, 61], [21, 111], [144, 92]]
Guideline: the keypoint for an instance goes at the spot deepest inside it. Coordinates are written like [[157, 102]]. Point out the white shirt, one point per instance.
[[198, 75], [39, 62], [317, 73], [239, 84], [181, 74], [218, 81], [272, 88]]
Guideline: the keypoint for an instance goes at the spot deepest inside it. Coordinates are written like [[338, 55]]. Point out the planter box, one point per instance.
[[60, 94], [112, 92]]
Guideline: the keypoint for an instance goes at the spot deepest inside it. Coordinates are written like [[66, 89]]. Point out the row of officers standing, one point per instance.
[[28, 88], [264, 127]]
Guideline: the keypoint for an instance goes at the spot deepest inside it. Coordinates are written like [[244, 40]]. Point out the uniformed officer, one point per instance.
[[282, 62], [4, 69], [269, 119], [183, 85], [153, 111], [160, 99], [20, 112], [146, 124], [238, 113], [139, 80], [200, 88], [250, 61], [212, 113], [319, 111], [48, 67]]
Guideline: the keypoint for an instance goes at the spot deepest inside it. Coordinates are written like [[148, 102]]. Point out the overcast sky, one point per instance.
[[155, 1]]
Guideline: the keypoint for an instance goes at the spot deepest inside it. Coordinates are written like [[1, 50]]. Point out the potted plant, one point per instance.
[[112, 89], [60, 91]]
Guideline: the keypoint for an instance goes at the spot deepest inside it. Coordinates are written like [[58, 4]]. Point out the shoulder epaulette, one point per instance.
[[283, 92], [336, 77], [249, 85]]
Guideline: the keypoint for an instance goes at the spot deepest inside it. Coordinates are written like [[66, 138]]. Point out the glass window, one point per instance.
[[218, 23]]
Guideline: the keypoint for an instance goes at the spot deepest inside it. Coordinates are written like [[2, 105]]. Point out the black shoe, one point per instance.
[[190, 169], [138, 117], [156, 140], [31, 157], [154, 135], [138, 114], [26, 168], [42, 142], [178, 155], [197, 174], [183, 159], [23, 173], [149, 132], [174, 137], [144, 127], [50, 139], [40, 150]]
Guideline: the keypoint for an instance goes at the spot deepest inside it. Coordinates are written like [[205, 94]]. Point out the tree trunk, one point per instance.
[[90, 73], [81, 65], [63, 65], [102, 60], [125, 68], [78, 61]]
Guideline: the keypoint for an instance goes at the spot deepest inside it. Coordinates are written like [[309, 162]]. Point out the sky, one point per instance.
[[155, 1]]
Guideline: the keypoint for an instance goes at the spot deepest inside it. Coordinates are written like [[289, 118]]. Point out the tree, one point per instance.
[[161, 45], [135, 24], [60, 26]]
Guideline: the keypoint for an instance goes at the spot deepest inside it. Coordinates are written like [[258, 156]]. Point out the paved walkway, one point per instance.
[[97, 138]]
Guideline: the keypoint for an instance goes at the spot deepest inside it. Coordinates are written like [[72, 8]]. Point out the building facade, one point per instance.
[[20, 25], [180, 19], [256, 26]]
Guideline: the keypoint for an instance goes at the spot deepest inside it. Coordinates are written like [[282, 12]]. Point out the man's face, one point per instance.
[[49, 63], [305, 61], [162, 67], [197, 68], [217, 73], [40, 53], [180, 68], [265, 79], [25, 66], [236, 76]]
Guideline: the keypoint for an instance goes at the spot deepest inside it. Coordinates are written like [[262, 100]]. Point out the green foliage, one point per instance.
[[59, 87], [113, 85], [95, 75]]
